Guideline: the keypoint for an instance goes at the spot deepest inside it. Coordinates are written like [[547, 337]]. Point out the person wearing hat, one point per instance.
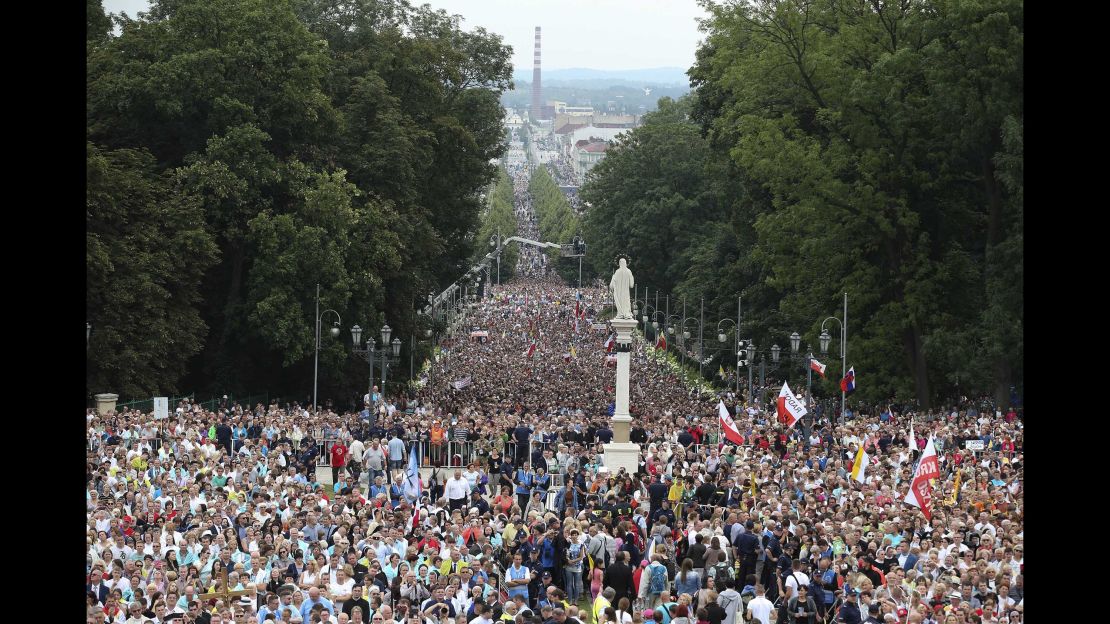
[[849, 611]]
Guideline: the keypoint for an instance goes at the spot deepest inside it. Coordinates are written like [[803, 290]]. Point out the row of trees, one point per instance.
[[242, 151], [499, 219], [554, 216], [831, 147]]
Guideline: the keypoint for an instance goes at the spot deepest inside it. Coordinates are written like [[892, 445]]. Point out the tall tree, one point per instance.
[[345, 142], [146, 249]]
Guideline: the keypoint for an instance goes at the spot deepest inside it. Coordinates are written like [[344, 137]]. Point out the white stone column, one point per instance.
[[105, 403], [621, 453]]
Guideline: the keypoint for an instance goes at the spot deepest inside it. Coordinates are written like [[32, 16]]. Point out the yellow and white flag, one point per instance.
[[859, 466]]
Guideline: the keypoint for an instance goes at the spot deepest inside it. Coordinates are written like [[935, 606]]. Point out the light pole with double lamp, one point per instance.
[[334, 332], [805, 360], [825, 338], [388, 355], [495, 242]]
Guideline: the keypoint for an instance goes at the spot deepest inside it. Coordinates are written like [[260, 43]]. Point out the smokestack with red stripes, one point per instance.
[[537, 87]]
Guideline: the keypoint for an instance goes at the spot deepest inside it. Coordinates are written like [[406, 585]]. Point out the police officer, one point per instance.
[[849, 611], [747, 550]]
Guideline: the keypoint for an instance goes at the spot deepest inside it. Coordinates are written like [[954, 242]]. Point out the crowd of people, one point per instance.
[[215, 517]]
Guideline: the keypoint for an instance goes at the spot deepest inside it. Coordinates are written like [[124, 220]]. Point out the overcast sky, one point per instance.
[[599, 34]]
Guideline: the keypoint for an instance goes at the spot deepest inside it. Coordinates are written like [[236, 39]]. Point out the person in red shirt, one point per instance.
[[339, 454]]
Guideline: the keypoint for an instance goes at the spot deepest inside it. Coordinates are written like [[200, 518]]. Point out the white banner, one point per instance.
[[161, 407]]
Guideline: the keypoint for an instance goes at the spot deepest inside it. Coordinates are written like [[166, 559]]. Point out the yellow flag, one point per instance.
[[753, 484], [955, 489], [721, 372], [573, 353]]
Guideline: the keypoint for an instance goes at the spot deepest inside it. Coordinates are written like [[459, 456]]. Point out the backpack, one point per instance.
[[658, 580], [725, 602], [720, 572]]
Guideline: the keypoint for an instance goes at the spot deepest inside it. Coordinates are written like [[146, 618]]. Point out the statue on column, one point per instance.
[[620, 286]]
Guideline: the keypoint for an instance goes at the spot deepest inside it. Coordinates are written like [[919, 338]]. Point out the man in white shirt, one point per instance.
[[354, 462], [796, 579], [759, 609], [457, 490]]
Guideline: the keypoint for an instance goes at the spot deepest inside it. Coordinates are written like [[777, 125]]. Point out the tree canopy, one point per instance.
[[340, 142], [832, 147]]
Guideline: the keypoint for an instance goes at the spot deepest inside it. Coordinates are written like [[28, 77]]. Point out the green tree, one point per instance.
[[333, 141], [97, 23], [499, 219], [868, 126], [146, 250]]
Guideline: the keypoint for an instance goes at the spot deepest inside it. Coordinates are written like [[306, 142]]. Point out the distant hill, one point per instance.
[[614, 98], [601, 78]]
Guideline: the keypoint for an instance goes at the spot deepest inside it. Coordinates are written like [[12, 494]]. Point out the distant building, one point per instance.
[[565, 125], [604, 134], [616, 121], [587, 153], [579, 111]]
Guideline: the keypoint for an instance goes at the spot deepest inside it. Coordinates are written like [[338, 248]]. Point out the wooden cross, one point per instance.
[[227, 594]]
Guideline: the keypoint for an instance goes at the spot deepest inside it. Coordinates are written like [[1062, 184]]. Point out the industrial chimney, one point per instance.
[[537, 88]]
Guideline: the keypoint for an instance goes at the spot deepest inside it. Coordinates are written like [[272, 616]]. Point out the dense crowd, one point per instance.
[[520, 521]]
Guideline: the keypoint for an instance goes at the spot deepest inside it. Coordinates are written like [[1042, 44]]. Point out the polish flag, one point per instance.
[[531, 349], [790, 409], [817, 367], [921, 491], [612, 340], [728, 426]]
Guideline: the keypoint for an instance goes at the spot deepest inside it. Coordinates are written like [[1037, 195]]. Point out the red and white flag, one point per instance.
[[921, 491], [531, 350], [817, 367], [790, 409], [728, 426], [610, 342]]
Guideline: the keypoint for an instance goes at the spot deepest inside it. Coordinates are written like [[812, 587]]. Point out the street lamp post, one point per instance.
[[686, 336], [367, 354], [826, 338], [739, 344], [495, 241], [388, 355], [795, 355], [334, 332]]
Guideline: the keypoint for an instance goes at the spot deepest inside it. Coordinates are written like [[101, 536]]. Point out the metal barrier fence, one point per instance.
[[447, 454], [147, 405]]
